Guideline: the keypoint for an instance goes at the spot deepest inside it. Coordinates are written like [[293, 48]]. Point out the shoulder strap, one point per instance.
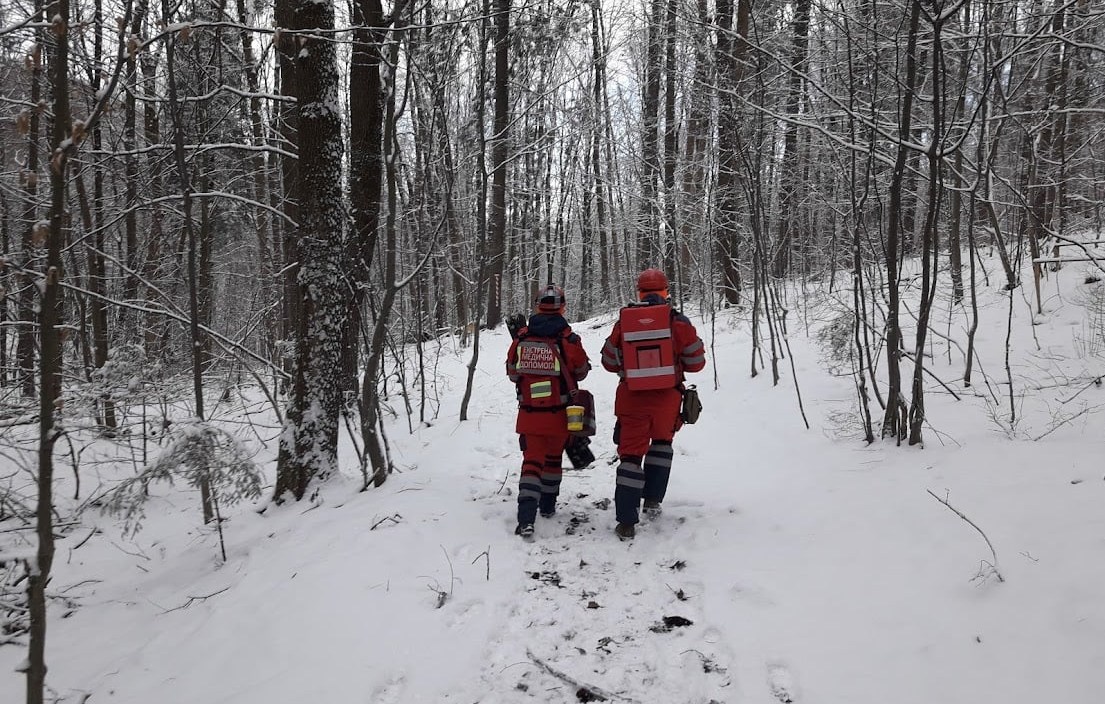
[[569, 380]]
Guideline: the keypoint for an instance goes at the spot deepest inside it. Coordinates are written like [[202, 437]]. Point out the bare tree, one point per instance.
[[500, 145]]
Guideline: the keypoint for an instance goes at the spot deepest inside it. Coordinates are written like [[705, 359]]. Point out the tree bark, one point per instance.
[[499, 148], [648, 220], [365, 166], [894, 424], [49, 339], [789, 177], [731, 50], [25, 342], [308, 445]]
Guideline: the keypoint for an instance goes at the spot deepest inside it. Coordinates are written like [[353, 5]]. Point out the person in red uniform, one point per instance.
[[546, 361], [651, 346]]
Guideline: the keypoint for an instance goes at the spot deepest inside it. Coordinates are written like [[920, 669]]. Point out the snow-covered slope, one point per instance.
[[788, 565]]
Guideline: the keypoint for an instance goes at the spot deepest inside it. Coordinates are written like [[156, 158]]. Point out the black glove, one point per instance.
[[514, 323]]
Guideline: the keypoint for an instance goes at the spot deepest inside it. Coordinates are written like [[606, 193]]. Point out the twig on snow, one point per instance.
[[600, 694], [442, 594], [79, 545], [1095, 382], [395, 518], [485, 554], [994, 565], [1061, 422], [193, 599]]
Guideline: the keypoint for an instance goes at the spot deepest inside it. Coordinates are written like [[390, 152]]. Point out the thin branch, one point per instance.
[[485, 554], [193, 599], [1060, 423], [959, 513]]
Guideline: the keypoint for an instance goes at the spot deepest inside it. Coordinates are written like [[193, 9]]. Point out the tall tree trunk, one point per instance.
[[789, 177], [930, 240], [154, 269], [286, 50], [671, 153], [7, 247], [365, 167], [25, 342], [480, 100], [375, 450], [696, 143], [49, 337], [194, 283], [452, 221], [499, 148], [309, 443], [955, 245], [1042, 188], [648, 221], [97, 284], [130, 180], [598, 137], [894, 424], [731, 49], [259, 184]]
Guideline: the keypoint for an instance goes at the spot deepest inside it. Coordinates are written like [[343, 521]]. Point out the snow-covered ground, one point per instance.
[[789, 565]]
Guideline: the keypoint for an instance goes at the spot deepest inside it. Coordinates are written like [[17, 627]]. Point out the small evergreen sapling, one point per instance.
[[197, 451]]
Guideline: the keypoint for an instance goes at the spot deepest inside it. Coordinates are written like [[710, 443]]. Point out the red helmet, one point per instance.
[[652, 281], [550, 300]]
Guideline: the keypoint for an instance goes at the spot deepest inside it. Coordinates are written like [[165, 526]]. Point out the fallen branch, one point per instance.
[[193, 599], [393, 518], [595, 692], [994, 565]]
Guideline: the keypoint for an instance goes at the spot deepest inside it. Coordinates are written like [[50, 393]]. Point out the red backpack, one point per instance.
[[545, 383], [648, 352]]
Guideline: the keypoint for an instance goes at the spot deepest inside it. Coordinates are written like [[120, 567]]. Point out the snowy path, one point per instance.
[[595, 619]]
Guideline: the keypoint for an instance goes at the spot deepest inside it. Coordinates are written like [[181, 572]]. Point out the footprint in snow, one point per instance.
[[390, 692], [781, 682]]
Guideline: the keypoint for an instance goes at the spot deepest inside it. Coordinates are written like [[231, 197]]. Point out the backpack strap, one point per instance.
[[569, 380]]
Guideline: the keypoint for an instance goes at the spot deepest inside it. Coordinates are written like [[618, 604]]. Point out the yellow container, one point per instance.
[[575, 418]]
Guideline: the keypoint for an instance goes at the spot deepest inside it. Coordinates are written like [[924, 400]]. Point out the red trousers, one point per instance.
[[644, 416], [539, 484]]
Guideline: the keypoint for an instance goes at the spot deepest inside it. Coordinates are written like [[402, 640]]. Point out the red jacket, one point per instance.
[[576, 366], [690, 356]]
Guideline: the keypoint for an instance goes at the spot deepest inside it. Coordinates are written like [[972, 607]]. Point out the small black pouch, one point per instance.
[[578, 451], [692, 405]]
